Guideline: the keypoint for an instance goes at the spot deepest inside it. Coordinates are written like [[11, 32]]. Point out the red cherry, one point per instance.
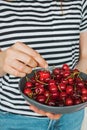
[[51, 82], [64, 81], [56, 71], [39, 90], [41, 99], [69, 89], [62, 95], [53, 88], [68, 101], [77, 101], [51, 102], [58, 77], [27, 91], [66, 73], [61, 72], [55, 95], [44, 74], [47, 93], [28, 84], [80, 84], [33, 79], [37, 84], [70, 81], [84, 98], [84, 91], [62, 86], [65, 67], [77, 79]]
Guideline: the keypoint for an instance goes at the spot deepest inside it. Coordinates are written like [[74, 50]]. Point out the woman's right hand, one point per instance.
[[19, 59]]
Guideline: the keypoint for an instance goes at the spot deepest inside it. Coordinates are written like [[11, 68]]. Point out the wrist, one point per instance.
[[82, 65]]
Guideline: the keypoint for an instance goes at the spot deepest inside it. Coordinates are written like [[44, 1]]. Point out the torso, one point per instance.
[[41, 25]]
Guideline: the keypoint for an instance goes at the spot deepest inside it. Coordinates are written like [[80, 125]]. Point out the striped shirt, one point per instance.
[[41, 25]]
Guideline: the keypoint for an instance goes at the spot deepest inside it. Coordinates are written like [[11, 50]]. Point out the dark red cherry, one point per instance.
[[27, 91], [28, 84], [69, 89], [84, 91], [69, 101], [41, 99], [65, 67]]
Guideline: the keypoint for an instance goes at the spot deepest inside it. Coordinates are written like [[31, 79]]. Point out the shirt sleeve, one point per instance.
[[83, 24]]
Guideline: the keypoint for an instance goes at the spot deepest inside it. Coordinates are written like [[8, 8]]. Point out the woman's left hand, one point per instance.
[[48, 114]]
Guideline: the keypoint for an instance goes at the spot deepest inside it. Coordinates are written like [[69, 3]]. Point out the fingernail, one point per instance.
[[46, 66]]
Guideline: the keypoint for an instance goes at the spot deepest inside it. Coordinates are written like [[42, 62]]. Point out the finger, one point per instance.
[[53, 116], [21, 67], [23, 57], [26, 49], [35, 109], [49, 115], [12, 71]]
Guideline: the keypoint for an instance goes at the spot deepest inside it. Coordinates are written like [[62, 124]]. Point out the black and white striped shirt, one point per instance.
[[41, 25]]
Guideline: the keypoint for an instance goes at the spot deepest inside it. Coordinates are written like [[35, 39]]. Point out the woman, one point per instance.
[[39, 33]]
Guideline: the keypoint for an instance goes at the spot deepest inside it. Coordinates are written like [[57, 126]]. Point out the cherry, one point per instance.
[[78, 90], [70, 81], [77, 101], [64, 81], [47, 93], [32, 79], [28, 84], [84, 98], [51, 82], [55, 95], [77, 79], [66, 73], [41, 99], [84, 91], [65, 67], [56, 71], [69, 89], [43, 75], [58, 77], [51, 102], [62, 95], [68, 101], [39, 90], [53, 88], [28, 92], [80, 84], [62, 86], [61, 72], [37, 84], [75, 95]]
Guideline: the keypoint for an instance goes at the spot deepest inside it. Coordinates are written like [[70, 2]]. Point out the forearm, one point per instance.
[[83, 46], [82, 63], [2, 54]]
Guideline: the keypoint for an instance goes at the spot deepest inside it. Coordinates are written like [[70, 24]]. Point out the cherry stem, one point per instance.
[[41, 82], [27, 79], [30, 95], [47, 99], [59, 88]]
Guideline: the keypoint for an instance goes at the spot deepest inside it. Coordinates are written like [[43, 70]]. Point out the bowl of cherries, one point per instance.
[[55, 89]]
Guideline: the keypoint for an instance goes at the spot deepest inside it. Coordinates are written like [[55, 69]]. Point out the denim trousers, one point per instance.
[[72, 121]]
